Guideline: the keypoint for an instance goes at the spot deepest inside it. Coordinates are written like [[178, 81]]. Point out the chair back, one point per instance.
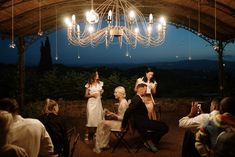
[[73, 137]]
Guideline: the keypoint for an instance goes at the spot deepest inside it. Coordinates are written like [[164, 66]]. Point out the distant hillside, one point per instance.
[[193, 65], [209, 65]]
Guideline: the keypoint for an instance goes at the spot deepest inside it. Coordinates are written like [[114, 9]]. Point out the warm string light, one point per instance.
[[127, 52], [12, 44], [78, 54], [125, 24], [40, 32]]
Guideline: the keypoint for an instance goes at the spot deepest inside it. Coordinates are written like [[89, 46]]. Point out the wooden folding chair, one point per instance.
[[73, 137], [119, 134], [141, 142]]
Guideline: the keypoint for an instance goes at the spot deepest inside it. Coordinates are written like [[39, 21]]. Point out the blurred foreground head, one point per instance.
[[5, 123], [9, 105], [227, 104]]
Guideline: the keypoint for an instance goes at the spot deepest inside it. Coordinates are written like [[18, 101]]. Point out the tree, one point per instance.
[[45, 60]]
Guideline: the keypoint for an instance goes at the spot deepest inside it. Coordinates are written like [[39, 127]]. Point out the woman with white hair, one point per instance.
[[104, 127]]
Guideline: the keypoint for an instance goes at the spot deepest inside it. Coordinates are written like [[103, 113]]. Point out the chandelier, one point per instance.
[[118, 19]]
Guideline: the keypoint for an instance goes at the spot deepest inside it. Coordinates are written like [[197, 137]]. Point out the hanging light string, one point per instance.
[[40, 32], [12, 44], [92, 4], [215, 45], [199, 17], [215, 22], [12, 20], [189, 39], [56, 38]]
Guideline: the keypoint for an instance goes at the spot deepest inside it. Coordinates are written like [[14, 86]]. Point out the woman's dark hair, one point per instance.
[[9, 105], [145, 78], [92, 77]]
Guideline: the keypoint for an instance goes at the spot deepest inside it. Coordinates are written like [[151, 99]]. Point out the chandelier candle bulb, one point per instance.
[[132, 15], [109, 16], [150, 18], [162, 21], [73, 19]]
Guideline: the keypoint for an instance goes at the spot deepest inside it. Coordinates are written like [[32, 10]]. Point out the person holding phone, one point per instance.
[[197, 116], [192, 123]]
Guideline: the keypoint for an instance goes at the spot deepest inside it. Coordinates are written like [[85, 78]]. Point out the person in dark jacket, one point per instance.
[[137, 113], [56, 128]]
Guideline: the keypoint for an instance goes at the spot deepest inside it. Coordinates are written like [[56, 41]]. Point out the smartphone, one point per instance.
[[199, 108]]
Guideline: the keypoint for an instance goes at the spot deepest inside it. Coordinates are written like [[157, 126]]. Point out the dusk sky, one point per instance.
[[180, 44]]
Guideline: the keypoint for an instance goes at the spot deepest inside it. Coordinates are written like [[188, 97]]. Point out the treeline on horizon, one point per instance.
[[68, 83]]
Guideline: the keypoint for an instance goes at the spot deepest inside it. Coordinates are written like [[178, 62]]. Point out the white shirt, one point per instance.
[[197, 121], [31, 135], [150, 85]]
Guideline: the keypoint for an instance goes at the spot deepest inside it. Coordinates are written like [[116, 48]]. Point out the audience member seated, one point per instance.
[[56, 128], [224, 146], [198, 116], [30, 134], [8, 150], [104, 127], [192, 122], [137, 114], [207, 136]]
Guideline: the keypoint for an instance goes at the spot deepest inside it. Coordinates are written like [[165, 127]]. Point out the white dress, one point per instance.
[[94, 105], [104, 127]]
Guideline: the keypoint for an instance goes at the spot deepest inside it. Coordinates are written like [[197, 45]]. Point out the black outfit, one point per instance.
[[137, 114], [188, 147], [58, 133]]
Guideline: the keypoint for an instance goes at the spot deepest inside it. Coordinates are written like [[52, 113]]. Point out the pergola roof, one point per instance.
[[182, 13]]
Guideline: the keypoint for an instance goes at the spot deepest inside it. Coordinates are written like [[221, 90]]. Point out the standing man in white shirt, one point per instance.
[[27, 133]]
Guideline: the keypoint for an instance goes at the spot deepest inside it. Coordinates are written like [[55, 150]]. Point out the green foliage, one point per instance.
[[68, 82], [8, 81]]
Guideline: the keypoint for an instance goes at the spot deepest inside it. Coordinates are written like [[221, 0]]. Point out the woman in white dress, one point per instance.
[[151, 90], [104, 127], [94, 90]]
